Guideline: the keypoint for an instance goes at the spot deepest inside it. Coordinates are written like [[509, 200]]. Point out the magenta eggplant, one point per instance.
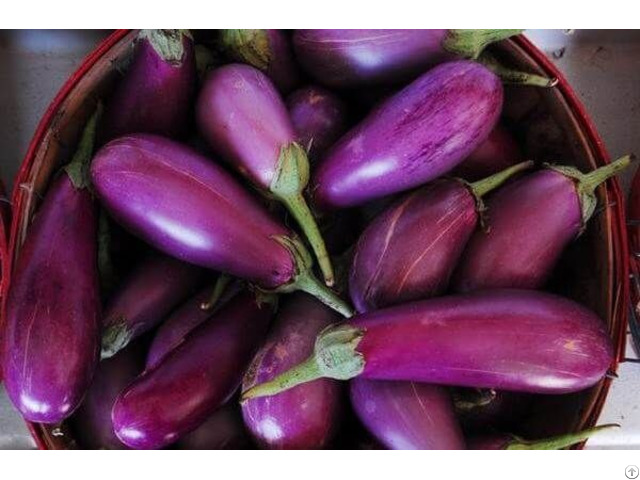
[[407, 415], [505, 441], [156, 92], [199, 376], [415, 136], [306, 417], [354, 58], [515, 340], [530, 223], [145, 298], [223, 430], [319, 118]]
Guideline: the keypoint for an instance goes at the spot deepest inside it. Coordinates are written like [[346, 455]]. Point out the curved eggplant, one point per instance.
[[223, 430]]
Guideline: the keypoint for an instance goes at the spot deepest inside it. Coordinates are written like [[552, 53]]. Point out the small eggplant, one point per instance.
[[410, 250], [53, 306], [407, 415], [530, 223], [145, 298], [516, 340], [223, 430], [156, 92], [244, 119], [416, 135], [189, 207], [267, 50], [198, 377], [307, 416]]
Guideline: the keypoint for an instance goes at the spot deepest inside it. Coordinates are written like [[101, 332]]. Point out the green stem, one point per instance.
[[471, 43], [247, 46], [556, 443], [78, 167], [218, 289], [514, 77], [484, 186], [304, 372], [592, 180]]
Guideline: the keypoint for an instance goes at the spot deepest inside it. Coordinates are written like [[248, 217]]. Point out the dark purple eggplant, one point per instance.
[[267, 50], [319, 118], [145, 298], [410, 250], [483, 409], [516, 340], [353, 58], [416, 135], [307, 416], [407, 415], [223, 430], [195, 379], [53, 307], [244, 119], [156, 92], [530, 223], [189, 207]]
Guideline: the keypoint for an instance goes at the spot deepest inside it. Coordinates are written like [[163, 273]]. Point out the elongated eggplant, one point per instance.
[[267, 50], [319, 118], [516, 340], [199, 376], [530, 223], [156, 92], [223, 430], [407, 415], [191, 208], [145, 298], [306, 417], [53, 305], [244, 119], [353, 58], [416, 135], [410, 250], [486, 409]]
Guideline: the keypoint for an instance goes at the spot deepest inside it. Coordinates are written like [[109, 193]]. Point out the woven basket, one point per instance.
[[552, 125]]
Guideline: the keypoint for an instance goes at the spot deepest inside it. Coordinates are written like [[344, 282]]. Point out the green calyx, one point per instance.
[[247, 46], [556, 443], [471, 43], [115, 338], [471, 400], [168, 44], [79, 166], [220, 286], [334, 356], [515, 77]]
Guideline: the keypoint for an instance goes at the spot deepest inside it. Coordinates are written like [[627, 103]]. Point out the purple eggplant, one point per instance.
[[516, 340], [416, 135], [530, 223], [92, 421], [189, 207], [156, 93], [319, 118], [53, 306], [195, 379], [267, 50], [410, 250], [353, 58], [407, 415], [482, 409], [223, 430], [244, 119], [303, 418], [145, 298]]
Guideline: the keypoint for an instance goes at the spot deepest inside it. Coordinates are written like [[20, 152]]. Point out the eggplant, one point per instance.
[[145, 298], [195, 379], [52, 328], [190, 208], [303, 418], [530, 223], [482, 409], [319, 118], [355, 58], [244, 119], [223, 430], [516, 340], [407, 415], [156, 93], [416, 135], [267, 50], [410, 250]]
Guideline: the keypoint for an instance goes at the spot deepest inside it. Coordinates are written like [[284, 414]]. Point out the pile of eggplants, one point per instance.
[[421, 318]]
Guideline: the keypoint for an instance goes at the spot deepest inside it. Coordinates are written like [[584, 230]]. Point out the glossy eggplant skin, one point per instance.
[[407, 415], [155, 94], [410, 250], [307, 416], [190, 208], [416, 135], [319, 118], [53, 308], [529, 224], [191, 383]]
